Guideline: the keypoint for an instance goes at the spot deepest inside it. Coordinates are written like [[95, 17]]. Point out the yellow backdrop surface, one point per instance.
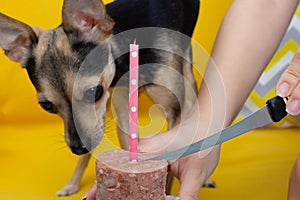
[[35, 161]]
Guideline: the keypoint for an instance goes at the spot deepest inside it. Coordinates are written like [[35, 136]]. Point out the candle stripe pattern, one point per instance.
[[133, 102]]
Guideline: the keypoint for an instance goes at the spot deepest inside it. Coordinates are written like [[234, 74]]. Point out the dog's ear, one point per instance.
[[16, 39], [87, 19]]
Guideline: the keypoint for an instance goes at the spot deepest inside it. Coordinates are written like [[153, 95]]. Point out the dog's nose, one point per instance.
[[79, 149], [75, 143]]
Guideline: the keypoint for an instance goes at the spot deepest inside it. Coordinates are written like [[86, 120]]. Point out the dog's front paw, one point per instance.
[[69, 189], [209, 184]]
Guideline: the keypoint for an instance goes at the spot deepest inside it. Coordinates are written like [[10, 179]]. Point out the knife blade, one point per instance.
[[273, 111]]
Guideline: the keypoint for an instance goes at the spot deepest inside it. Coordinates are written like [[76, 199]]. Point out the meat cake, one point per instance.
[[120, 179]]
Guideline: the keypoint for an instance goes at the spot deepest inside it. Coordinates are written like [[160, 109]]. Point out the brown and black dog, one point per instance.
[[67, 85]]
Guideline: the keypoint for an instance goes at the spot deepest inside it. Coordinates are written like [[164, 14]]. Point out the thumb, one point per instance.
[[158, 143], [173, 139]]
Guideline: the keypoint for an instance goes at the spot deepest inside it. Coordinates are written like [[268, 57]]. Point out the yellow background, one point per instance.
[[35, 162]]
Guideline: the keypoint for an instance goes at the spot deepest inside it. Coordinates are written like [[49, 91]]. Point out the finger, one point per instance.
[[91, 194], [191, 178], [190, 186], [293, 104], [290, 77]]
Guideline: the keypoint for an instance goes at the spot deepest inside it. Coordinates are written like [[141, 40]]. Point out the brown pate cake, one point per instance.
[[120, 179]]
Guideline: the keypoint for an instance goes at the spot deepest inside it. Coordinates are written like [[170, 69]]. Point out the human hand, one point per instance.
[[288, 85], [192, 171]]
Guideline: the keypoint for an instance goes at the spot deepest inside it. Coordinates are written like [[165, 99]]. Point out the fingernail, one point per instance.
[[84, 198], [283, 89], [293, 107]]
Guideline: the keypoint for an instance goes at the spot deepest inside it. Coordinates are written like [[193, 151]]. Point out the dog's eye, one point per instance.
[[93, 94], [48, 106]]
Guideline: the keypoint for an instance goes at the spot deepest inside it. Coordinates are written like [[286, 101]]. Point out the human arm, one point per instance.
[[247, 39]]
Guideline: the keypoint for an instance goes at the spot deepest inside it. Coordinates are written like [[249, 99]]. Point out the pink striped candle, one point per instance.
[[133, 101]]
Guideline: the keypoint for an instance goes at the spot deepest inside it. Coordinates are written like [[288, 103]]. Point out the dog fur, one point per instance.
[[53, 59]]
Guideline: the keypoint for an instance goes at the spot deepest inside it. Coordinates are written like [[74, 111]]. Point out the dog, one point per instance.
[[54, 60]]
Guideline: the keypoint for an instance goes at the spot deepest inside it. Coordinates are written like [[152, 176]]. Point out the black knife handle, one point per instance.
[[277, 108]]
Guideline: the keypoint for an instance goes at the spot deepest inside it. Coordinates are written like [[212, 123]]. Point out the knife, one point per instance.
[[273, 111]]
